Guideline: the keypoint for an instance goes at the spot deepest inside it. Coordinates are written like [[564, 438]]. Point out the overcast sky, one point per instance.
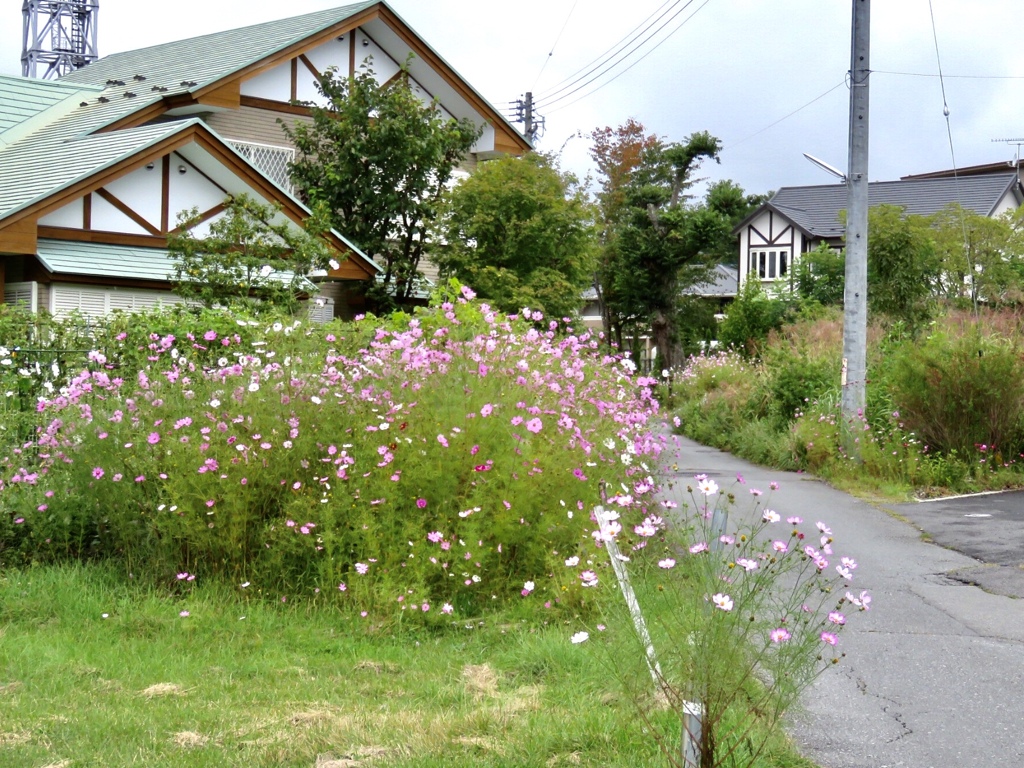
[[732, 67]]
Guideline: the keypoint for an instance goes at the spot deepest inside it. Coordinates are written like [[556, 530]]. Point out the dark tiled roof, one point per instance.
[[816, 209], [724, 282]]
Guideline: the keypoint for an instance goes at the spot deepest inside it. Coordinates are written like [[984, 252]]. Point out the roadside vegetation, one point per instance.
[[945, 397]]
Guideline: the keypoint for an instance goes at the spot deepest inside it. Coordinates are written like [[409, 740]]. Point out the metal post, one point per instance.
[[855, 316]]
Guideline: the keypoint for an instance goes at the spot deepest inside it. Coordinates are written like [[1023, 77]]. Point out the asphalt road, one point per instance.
[[934, 673]]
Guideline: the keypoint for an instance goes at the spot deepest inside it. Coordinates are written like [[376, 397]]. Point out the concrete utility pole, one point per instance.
[[855, 315], [528, 111]]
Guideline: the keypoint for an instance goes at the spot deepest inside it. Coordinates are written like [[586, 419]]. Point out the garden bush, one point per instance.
[[960, 393], [442, 462]]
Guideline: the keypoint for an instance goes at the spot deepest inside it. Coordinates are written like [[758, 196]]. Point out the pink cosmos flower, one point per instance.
[[667, 563], [794, 520], [184, 614], [442, 440], [722, 601], [534, 425], [771, 516], [696, 549], [421, 503], [747, 564], [98, 472], [779, 635], [486, 410], [362, 568], [837, 618], [342, 587], [447, 608], [154, 438], [829, 638]]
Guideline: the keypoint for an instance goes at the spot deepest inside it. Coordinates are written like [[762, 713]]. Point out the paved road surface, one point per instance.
[[934, 676]]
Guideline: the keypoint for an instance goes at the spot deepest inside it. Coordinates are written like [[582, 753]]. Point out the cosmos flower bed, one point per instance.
[[440, 463]]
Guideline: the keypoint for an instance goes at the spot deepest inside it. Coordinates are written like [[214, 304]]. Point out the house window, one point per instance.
[[769, 264]]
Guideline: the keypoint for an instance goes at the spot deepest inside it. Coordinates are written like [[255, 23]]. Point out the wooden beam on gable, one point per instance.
[[99, 236], [511, 137], [106, 176], [275, 106], [226, 95], [287, 54], [289, 207], [19, 237], [124, 208]]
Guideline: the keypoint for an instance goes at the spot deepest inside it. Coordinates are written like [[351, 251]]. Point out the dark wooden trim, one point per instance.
[[295, 80], [204, 216], [165, 192], [309, 65], [191, 165], [423, 52], [19, 237], [116, 171], [352, 52], [87, 211], [343, 27], [3, 278], [108, 282], [100, 236], [275, 106], [127, 211], [393, 79]]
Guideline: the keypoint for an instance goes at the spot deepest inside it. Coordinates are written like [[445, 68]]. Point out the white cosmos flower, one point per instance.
[[580, 637]]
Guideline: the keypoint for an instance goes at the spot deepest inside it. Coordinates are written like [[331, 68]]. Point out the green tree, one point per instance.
[[902, 265], [979, 257], [379, 158], [252, 256], [820, 275], [618, 152], [661, 241], [521, 234], [727, 198]]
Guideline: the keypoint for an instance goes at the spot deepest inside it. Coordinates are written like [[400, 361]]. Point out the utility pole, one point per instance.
[[523, 112], [855, 314]]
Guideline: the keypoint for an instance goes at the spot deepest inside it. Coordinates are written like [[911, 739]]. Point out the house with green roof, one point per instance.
[[797, 220], [95, 167]]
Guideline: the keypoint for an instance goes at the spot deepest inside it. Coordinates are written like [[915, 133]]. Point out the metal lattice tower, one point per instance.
[[59, 36]]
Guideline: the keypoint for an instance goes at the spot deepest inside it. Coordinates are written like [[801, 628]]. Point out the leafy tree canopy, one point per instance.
[[251, 256], [379, 158], [521, 233], [658, 243]]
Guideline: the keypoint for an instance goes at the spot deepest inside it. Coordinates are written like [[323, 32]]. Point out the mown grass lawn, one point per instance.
[[98, 672]]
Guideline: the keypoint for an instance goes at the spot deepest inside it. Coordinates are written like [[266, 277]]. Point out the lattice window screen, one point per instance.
[[273, 161]]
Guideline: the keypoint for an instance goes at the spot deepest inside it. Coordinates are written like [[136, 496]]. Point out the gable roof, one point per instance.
[[184, 72], [815, 210]]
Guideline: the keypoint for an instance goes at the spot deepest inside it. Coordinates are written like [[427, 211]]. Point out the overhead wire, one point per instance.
[[553, 95], [786, 117], [555, 44], [952, 155], [948, 77], [628, 53]]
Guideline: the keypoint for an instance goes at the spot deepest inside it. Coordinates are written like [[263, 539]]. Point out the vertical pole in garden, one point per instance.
[[855, 306], [691, 710]]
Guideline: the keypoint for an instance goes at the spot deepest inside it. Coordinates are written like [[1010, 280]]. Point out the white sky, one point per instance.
[[734, 69]]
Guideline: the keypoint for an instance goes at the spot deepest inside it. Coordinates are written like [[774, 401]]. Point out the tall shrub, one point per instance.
[[957, 393]]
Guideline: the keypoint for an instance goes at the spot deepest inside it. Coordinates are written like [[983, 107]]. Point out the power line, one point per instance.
[[948, 77], [952, 155], [786, 117], [628, 53], [636, 32], [555, 44]]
